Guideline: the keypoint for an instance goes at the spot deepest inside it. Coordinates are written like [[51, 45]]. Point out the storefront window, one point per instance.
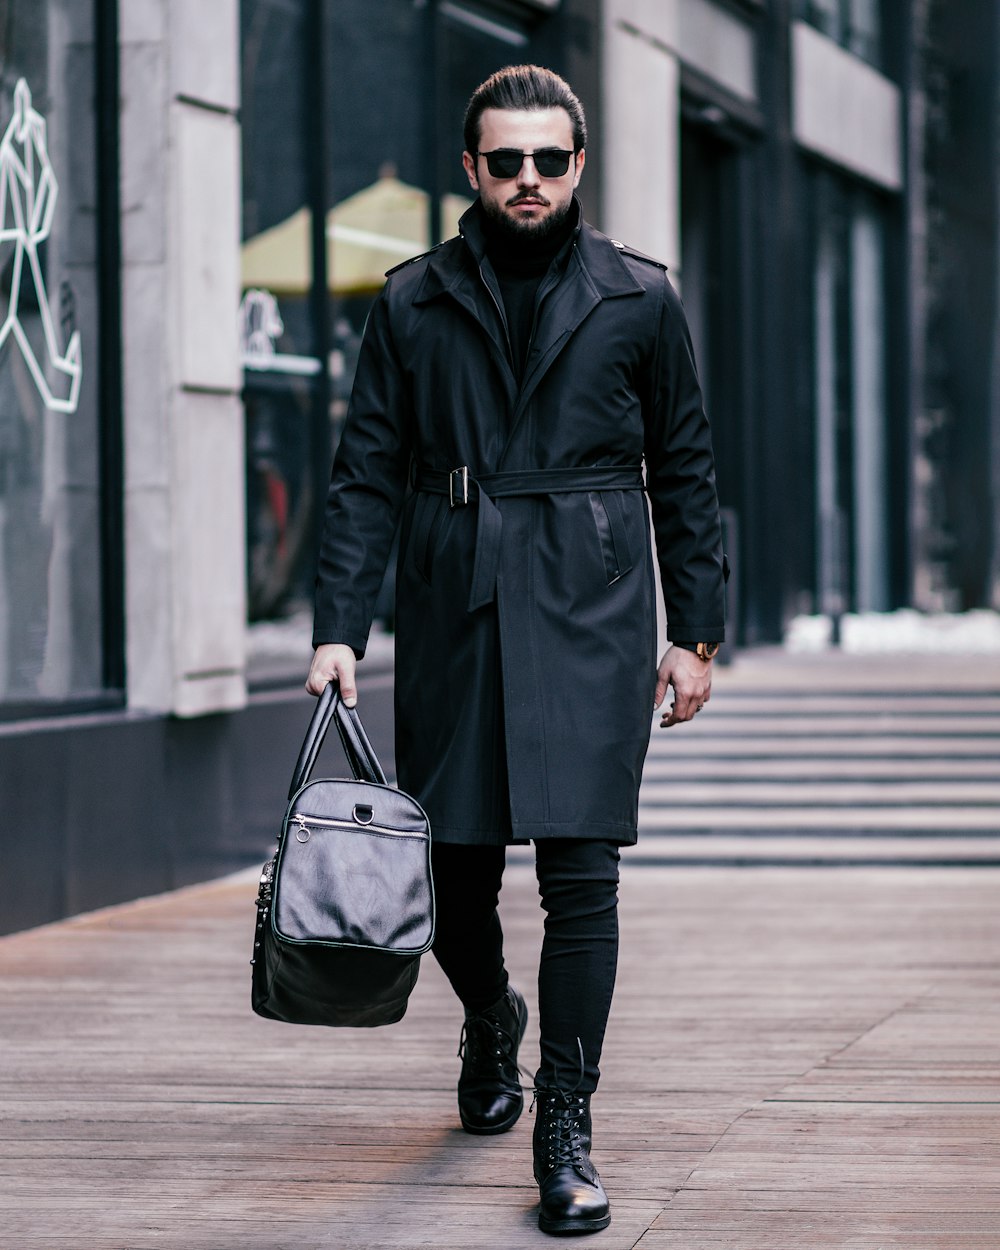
[[51, 628], [282, 354], [352, 117]]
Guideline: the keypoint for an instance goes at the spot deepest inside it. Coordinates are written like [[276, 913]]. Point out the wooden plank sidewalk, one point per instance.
[[797, 1058]]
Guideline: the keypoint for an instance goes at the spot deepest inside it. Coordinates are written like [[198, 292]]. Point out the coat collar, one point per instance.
[[600, 260], [594, 271]]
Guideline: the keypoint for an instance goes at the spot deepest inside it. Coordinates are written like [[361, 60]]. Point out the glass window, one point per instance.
[[355, 118], [388, 163], [51, 629], [854, 24], [282, 354], [850, 401]]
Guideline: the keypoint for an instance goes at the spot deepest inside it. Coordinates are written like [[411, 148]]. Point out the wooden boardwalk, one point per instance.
[[798, 1058]]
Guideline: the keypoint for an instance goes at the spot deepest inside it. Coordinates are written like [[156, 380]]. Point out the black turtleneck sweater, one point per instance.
[[520, 264]]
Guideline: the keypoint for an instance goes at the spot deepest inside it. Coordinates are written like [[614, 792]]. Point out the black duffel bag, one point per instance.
[[346, 907]]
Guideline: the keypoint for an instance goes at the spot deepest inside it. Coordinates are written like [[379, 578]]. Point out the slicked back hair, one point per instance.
[[525, 87]]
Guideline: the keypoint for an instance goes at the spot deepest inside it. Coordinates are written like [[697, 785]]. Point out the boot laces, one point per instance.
[[564, 1110], [563, 1140], [567, 1094], [486, 1044]]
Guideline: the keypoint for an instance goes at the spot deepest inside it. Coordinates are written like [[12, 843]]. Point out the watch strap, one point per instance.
[[696, 646]]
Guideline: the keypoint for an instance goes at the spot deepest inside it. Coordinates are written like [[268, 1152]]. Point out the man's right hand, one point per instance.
[[333, 661]]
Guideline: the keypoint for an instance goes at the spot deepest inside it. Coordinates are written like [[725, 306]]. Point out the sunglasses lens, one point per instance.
[[507, 164], [552, 164], [504, 164]]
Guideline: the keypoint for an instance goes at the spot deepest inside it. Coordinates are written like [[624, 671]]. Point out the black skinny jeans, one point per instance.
[[578, 884]]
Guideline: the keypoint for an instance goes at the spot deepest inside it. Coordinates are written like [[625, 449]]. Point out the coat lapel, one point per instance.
[[454, 276], [564, 308], [594, 272], [462, 284]]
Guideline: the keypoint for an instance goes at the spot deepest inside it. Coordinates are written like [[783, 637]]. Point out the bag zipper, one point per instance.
[[305, 821]]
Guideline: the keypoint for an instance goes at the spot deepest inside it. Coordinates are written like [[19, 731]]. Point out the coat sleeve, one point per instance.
[[680, 480], [366, 491]]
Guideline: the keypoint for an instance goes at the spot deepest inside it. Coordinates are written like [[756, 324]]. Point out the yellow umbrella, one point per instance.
[[367, 234], [278, 260]]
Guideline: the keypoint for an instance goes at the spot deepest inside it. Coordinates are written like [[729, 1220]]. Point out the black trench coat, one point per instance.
[[525, 646]]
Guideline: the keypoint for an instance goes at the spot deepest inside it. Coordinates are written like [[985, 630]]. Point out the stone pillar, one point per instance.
[[640, 174], [185, 547], [640, 169]]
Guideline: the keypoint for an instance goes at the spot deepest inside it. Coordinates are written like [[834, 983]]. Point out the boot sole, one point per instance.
[[574, 1226]]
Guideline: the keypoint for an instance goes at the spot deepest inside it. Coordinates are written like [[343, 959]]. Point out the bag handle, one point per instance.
[[359, 751]]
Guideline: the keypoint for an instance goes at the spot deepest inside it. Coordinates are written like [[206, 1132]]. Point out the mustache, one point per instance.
[[531, 197]]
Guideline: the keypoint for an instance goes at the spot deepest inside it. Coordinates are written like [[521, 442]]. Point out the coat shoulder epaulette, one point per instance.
[[403, 264], [637, 255]]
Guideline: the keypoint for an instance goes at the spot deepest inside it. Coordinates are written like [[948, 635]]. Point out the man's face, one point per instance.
[[527, 203]]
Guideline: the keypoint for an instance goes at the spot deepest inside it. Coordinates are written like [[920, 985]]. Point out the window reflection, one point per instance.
[[379, 158], [278, 342], [854, 24], [50, 556]]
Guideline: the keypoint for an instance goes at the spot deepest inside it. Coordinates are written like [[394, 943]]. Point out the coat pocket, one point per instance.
[[612, 533], [427, 517]]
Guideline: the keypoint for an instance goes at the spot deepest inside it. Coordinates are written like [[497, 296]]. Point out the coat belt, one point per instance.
[[463, 489]]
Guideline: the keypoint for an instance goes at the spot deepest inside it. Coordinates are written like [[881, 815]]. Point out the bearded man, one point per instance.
[[521, 390]]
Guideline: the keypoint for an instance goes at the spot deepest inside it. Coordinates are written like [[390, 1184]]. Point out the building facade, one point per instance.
[[198, 204]]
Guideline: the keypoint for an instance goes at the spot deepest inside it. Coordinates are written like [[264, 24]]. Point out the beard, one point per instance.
[[521, 230]]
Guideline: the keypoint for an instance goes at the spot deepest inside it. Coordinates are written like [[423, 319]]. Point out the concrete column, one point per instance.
[[185, 548], [640, 177], [640, 173]]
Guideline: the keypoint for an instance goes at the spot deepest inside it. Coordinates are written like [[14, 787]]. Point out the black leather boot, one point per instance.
[[571, 1196], [490, 1098]]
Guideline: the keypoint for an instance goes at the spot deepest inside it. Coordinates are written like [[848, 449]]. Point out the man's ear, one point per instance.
[[579, 160], [470, 169]]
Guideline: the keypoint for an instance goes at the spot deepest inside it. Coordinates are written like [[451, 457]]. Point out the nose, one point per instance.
[[528, 176]]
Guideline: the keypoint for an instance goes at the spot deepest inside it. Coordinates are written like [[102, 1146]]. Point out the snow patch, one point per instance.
[[906, 630]]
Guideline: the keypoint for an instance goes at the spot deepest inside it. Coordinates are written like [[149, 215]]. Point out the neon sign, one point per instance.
[[28, 192]]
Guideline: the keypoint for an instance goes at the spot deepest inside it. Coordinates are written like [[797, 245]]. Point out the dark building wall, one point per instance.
[[956, 67], [767, 454], [756, 191], [104, 808]]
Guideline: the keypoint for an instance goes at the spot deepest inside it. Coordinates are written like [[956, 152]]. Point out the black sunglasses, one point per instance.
[[507, 162]]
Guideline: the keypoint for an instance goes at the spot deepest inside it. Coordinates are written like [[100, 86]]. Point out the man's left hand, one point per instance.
[[691, 679]]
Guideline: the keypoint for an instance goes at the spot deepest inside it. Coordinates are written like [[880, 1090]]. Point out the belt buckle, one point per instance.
[[458, 493]]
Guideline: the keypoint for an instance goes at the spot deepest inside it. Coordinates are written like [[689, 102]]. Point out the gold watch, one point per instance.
[[706, 650]]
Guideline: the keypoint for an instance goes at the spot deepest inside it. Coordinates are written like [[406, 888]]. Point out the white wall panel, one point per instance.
[[149, 587], [718, 44], [144, 128], [845, 110], [640, 150], [141, 21], [184, 457], [656, 19], [209, 604], [144, 296], [206, 245], [204, 40]]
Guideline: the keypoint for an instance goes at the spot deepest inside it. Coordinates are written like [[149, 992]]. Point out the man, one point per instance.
[[511, 386]]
